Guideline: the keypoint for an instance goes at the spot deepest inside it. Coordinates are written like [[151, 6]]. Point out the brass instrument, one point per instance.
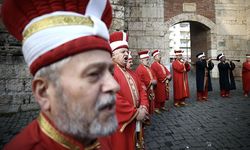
[[237, 60]]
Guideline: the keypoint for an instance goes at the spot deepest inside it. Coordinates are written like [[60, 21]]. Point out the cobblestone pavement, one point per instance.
[[216, 124], [219, 123]]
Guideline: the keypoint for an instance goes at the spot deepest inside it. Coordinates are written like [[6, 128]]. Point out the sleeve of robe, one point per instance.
[[178, 68], [210, 65], [232, 66], [246, 67]]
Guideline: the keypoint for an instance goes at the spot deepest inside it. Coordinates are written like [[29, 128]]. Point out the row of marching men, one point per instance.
[[142, 91], [146, 89]]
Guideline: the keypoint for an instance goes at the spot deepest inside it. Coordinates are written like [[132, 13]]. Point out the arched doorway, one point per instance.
[[202, 36]]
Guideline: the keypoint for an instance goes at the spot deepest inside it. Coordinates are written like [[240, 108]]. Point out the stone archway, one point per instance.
[[197, 21], [211, 36]]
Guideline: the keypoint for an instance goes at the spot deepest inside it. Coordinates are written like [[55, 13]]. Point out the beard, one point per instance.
[[76, 122]]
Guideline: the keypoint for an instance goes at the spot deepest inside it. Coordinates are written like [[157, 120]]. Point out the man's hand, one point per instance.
[[142, 115], [153, 82]]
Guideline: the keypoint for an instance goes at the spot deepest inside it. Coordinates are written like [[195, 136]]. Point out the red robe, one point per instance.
[[128, 99], [246, 76], [146, 75], [42, 134], [161, 73], [180, 79]]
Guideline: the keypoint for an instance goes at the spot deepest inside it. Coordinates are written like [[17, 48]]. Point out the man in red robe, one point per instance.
[[147, 78], [163, 77], [180, 79], [246, 76], [69, 55], [131, 100]]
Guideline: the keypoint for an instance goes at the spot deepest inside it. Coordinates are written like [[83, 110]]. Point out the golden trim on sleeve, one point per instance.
[[128, 122]]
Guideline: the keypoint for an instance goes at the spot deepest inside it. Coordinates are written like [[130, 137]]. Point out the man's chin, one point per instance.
[[103, 129]]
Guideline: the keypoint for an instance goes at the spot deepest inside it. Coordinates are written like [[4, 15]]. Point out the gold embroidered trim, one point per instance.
[[149, 72], [50, 131], [133, 88], [128, 122], [54, 21], [94, 146]]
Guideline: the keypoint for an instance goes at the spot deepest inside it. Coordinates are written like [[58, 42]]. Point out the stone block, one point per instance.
[[135, 12], [118, 24], [21, 98], [2, 85], [7, 71], [14, 85], [132, 42], [119, 14], [5, 99], [135, 26], [31, 106], [9, 109], [146, 42], [27, 85]]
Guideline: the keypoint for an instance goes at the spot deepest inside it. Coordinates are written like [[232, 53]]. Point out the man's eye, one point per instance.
[[94, 76]]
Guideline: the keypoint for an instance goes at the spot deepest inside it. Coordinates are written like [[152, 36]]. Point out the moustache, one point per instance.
[[107, 102]]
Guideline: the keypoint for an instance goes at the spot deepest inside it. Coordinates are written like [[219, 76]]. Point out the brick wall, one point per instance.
[[175, 7]]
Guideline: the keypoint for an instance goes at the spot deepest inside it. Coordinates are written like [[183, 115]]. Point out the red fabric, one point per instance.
[[125, 110], [17, 14], [224, 93], [203, 95], [246, 77], [143, 74], [160, 91], [143, 52], [33, 138], [68, 49], [118, 36], [180, 79], [155, 51]]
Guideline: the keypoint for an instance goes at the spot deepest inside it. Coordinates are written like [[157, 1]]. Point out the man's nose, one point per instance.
[[110, 84]]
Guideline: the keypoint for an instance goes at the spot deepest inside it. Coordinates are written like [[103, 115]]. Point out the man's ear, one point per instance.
[[40, 90]]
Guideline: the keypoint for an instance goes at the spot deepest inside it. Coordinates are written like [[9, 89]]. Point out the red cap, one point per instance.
[[53, 30], [118, 39], [143, 54], [155, 52], [178, 52]]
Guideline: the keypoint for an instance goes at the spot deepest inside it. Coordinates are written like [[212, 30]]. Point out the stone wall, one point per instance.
[[118, 22], [232, 35], [15, 80], [145, 25], [248, 23]]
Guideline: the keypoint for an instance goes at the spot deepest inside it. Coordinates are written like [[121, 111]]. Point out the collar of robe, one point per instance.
[[59, 138]]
